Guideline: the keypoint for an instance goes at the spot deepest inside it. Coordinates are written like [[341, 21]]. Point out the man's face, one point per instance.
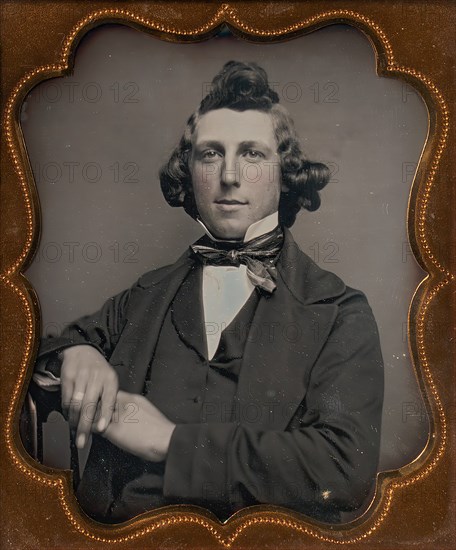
[[235, 170]]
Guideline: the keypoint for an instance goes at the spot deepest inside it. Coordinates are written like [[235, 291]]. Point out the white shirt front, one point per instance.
[[227, 288]]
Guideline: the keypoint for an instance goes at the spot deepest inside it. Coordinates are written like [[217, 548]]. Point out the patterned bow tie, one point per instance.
[[258, 255]]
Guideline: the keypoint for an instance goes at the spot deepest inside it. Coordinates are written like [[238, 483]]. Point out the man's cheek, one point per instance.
[[208, 172]]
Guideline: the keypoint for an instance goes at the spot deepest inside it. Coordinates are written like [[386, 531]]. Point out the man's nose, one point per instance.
[[230, 171]]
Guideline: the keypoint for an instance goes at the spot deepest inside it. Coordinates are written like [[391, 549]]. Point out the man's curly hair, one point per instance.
[[243, 86]]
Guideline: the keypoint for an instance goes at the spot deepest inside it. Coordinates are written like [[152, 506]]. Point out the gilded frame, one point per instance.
[[412, 505]]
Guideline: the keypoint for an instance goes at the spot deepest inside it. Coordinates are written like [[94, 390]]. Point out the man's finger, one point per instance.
[[108, 402], [76, 400], [67, 392], [88, 411]]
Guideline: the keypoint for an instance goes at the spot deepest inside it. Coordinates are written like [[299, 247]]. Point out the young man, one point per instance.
[[242, 374]]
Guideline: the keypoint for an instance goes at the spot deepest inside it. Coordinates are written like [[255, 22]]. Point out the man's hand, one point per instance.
[[89, 389], [139, 428]]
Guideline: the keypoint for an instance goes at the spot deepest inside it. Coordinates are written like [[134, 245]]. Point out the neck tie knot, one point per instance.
[[258, 255]]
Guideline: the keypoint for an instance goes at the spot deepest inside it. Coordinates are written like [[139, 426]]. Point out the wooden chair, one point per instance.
[[39, 404]]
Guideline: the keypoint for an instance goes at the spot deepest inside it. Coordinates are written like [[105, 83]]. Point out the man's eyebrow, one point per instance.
[[209, 143], [242, 146], [254, 143]]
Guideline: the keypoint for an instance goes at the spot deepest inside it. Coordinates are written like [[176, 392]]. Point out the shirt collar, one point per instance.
[[265, 225]]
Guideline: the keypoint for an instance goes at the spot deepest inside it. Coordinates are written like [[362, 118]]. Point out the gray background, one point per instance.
[[97, 138]]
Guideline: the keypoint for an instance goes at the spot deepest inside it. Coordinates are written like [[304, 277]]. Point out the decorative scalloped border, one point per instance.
[[227, 14]]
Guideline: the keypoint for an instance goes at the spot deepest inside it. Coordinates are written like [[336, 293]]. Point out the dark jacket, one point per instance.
[[313, 374]]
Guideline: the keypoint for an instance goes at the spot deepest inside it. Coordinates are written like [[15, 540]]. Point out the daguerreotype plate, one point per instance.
[[286, 381]]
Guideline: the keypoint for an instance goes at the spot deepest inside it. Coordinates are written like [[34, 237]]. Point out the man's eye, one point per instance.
[[210, 155], [252, 154]]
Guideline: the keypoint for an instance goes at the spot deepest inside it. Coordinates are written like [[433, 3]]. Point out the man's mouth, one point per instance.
[[229, 206], [230, 201]]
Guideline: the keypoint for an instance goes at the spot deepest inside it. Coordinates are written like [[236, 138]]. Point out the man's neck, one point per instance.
[[265, 225]]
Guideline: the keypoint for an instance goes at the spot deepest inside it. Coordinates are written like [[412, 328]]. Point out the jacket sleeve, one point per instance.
[[101, 330], [325, 461]]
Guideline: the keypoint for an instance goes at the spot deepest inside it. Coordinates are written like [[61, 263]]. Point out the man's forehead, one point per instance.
[[230, 125]]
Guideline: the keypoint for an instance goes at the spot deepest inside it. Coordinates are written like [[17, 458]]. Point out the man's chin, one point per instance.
[[229, 233]]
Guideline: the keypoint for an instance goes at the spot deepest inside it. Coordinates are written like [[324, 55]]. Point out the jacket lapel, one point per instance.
[[187, 312], [147, 307], [288, 331]]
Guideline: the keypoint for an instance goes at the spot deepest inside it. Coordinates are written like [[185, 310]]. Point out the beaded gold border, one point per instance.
[[388, 482]]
